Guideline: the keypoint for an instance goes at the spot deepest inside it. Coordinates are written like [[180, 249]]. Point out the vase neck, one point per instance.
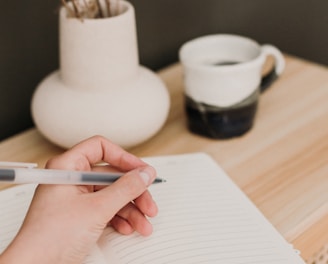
[[98, 53]]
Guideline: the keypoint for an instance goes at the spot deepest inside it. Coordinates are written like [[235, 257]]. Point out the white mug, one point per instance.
[[223, 80]]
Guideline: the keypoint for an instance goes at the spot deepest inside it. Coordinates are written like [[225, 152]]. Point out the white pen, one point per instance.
[[49, 176]]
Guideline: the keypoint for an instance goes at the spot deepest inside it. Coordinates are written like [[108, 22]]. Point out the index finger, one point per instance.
[[92, 150]]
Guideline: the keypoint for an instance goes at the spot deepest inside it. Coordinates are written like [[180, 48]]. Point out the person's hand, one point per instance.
[[64, 222]]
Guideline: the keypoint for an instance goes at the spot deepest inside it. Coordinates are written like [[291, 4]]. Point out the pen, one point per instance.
[[49, 176]]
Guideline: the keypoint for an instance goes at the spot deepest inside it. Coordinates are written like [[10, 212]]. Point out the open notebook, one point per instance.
[[203, 218]]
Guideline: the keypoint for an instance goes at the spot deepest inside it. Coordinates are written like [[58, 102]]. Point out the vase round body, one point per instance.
[[100, 88]]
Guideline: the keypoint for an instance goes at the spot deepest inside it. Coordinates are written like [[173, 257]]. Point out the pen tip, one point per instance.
[[159, 180]]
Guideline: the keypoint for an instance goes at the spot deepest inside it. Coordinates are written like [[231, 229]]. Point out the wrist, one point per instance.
[[24, 249]]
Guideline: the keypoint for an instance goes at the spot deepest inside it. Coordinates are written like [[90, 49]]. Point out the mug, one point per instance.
[[223, 81]]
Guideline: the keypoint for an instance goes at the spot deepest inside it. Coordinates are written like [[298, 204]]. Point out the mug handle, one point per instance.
[[278, 68]]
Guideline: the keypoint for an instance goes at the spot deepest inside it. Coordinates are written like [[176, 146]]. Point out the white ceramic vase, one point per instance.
[[100, 87]]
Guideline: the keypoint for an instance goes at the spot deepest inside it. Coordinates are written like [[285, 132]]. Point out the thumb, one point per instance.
[[131, 185]]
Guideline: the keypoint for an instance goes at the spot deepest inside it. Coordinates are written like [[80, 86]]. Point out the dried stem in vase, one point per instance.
[[89, 8]]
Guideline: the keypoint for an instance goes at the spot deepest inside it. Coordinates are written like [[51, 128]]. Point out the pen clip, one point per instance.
[[11, 164]]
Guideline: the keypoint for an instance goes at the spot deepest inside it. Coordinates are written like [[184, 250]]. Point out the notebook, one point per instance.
[[203, 218]]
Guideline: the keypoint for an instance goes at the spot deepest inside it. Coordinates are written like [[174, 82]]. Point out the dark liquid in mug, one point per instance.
[[225, 63], [215, 122]]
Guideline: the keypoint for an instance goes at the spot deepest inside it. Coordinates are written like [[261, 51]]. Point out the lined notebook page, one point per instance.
[[14, 203], [203, 218]]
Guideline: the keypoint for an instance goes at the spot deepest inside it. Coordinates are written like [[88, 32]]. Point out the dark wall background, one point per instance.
[[29, 38]]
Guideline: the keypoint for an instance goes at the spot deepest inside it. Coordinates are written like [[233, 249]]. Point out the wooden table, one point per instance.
[[281, 164]]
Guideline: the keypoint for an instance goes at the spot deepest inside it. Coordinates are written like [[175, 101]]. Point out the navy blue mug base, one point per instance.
[[220, 123]]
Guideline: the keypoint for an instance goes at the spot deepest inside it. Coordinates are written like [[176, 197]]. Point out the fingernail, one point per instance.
[[146, 175]]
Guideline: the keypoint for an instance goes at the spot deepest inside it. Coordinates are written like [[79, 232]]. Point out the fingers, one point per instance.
[[108, 201], [146, 204], [121, 225], [133, 184], [130, 219], [93, 150]]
